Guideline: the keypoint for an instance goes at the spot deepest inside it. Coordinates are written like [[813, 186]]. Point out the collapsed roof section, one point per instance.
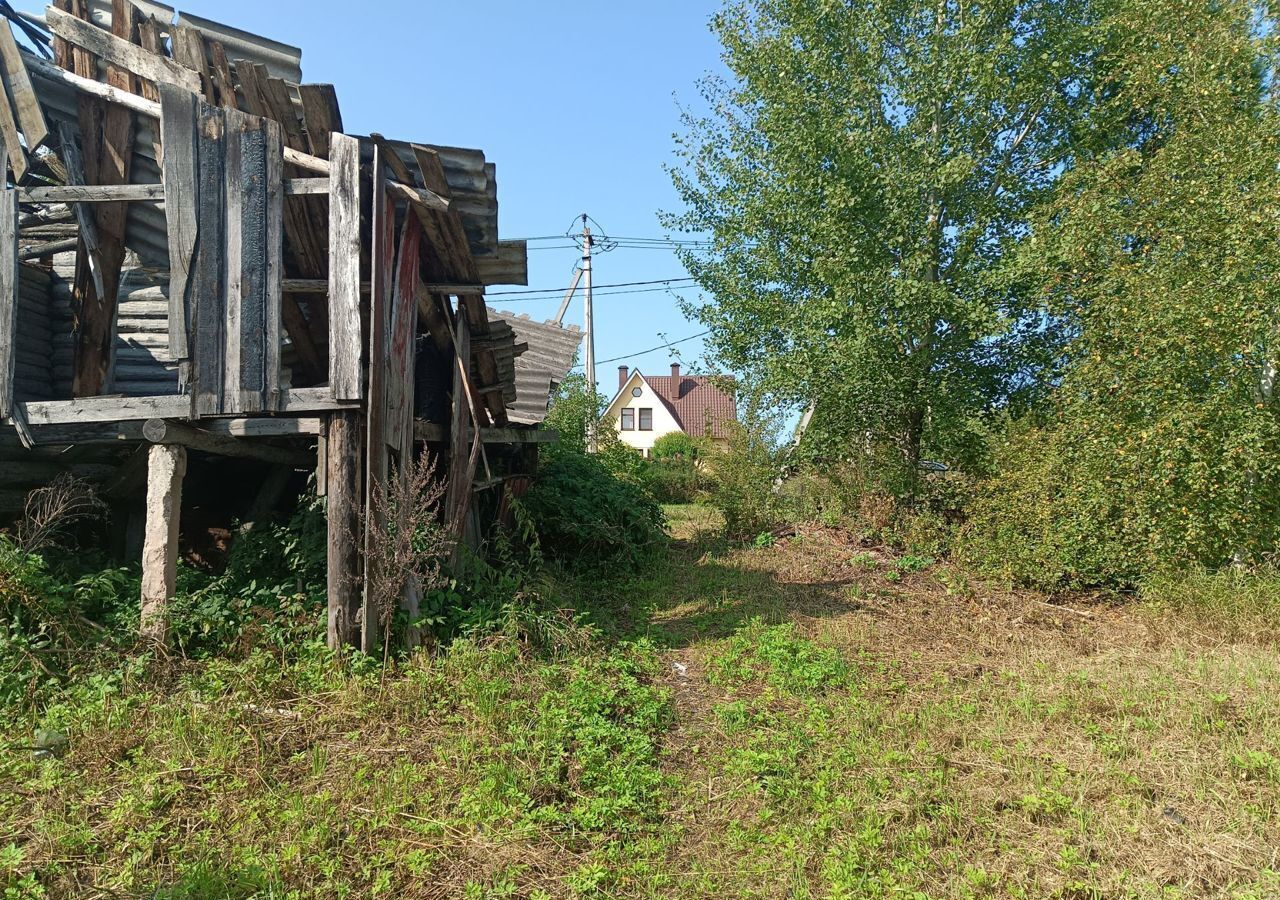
[[132, 53]]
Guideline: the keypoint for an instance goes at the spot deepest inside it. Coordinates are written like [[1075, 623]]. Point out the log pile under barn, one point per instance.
[[203, 279]]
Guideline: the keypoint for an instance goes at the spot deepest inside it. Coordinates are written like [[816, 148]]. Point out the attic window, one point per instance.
[[628, 420]]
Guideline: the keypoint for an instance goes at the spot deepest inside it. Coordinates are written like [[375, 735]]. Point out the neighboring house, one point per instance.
[[647, 407]]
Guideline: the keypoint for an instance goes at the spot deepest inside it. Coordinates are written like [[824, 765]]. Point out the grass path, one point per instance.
[[809, 719]]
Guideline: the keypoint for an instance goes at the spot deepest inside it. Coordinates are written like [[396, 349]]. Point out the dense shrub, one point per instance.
[[678, 481], [677, 446], [744, 479], [50, 615], [585, 513]]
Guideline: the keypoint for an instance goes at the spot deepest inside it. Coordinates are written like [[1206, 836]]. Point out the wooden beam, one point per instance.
[[433, 432], [178, 135], [376, 467], [131, 431], [18, 84], [73, 165], [8, 296], [92, 193], [301, 187], [161, 431], [166, 468], [344, 496], [120, 51], [345, 371], [320, 115], [150, 108]]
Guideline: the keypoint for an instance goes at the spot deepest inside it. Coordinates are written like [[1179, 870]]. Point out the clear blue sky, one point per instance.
[[576, 103]]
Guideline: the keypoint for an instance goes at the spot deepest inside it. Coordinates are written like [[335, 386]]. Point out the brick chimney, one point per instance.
[[623, 373], [675, 370]]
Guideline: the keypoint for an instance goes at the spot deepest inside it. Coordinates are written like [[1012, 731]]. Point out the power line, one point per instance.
[[659, 290], [561, 290], [692, 337]]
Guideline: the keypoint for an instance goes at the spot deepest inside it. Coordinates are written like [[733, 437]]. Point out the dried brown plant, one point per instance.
[[405, 556], [52, 510]]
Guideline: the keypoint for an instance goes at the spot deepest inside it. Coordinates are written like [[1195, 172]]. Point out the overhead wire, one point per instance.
[[618, 284], [692, 337]]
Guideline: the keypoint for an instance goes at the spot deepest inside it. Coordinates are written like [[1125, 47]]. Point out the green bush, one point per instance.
[[677, 446], [272, 591], [744, 478], [678, 481], [50, 616], [585, 513]]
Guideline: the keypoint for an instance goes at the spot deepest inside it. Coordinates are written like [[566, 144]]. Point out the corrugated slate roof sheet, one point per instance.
[[540, 368]]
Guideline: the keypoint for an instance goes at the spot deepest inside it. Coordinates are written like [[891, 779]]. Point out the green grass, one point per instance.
[[733, 721]]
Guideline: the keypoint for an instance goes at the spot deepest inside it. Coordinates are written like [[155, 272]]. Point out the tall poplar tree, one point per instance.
[[862, 174]]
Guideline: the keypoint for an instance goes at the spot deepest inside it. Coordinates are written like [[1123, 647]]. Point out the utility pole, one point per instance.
[[590, 326]]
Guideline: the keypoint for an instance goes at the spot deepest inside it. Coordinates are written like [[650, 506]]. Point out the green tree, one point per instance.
[[676, 446], [863, 173], [1161, 254]]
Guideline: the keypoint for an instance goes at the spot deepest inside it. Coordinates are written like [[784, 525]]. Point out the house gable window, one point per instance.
[[646, 420], [628, 420]]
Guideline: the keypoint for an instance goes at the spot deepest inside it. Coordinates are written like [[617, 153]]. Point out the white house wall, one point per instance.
[[663, 421]]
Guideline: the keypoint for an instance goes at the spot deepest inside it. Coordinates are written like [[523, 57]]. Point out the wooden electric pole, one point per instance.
[[590, 325]]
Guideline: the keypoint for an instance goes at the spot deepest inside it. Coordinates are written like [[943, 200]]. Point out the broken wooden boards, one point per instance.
[[223, 176], [20, 101]]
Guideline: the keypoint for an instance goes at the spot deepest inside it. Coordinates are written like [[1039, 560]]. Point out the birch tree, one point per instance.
[[861, 175]]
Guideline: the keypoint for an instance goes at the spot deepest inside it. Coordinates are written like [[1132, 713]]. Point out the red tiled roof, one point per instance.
[[698, 405]]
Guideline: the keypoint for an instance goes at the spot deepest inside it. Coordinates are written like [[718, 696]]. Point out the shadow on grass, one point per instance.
[[699, 589]]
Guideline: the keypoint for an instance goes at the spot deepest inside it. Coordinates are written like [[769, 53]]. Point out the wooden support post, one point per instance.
[[167, 465], [8, 298], [376, 463], [344, 492]]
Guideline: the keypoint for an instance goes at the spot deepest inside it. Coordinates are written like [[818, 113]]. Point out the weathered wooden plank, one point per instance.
[[92, 193], [115, 432], [376, 482], [321, 116], [404, 328], [178, 133], [73, 164], [273, 252], [344, 270], [150, 39], [208, 289], [434, 432], [453, 247], [251, 304], [485, 359], [103, 409], [8, 298], [188, 50], [120, 52], [222, 79], [35, 251], [13, 148], [299, 187], [18, 84], [237, 266]]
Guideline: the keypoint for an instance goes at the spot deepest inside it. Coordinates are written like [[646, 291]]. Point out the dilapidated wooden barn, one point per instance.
[[210, 295]]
